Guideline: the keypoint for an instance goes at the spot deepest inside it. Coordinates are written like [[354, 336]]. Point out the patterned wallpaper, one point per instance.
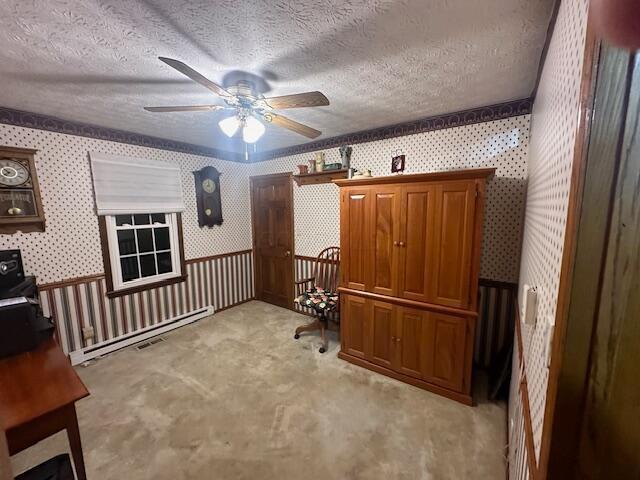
[[502, 144], [554, 124], [70, 246]]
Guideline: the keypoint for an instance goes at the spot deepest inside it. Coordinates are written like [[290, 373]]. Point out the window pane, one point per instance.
[[123, 220], [162, 238], [129, 268], [158, 218], [126, 242], [141, 219], [145, 242], [164, 262], [148, 265]]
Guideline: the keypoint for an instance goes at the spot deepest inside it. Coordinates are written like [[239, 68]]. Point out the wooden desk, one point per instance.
[[38, 391]]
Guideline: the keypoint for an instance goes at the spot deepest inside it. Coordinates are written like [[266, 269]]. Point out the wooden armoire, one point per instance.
[[410, 261]]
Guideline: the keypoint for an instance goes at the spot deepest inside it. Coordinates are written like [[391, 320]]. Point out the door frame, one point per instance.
[[569, 424], [252, 180]]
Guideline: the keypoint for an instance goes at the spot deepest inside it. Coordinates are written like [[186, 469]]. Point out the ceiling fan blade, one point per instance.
[[298, 100], [186, 108], [289, 124], [195, 76]]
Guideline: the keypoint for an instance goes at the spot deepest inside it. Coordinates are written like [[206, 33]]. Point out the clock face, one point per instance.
[[208, 185], [12, 173]]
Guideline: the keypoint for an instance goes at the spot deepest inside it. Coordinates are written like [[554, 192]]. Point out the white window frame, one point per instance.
[[114, 252]]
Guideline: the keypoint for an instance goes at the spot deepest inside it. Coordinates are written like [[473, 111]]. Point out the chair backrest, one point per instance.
[[327, 270]]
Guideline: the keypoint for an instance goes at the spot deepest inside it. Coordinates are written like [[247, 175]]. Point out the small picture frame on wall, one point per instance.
[[397, 162]]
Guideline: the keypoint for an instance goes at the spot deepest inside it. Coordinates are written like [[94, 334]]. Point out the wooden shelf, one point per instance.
[[464, 174], [316, 178]]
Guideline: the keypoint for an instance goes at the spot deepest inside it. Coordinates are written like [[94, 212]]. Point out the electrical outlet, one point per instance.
[[88, 333]]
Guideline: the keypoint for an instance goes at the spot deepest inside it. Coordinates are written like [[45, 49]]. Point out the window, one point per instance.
[[144, 249], [141, 248]]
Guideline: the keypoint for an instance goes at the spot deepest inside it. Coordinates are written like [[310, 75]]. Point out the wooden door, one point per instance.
[[385, 240], [444, 345], [353, 328], [411, 341], [453, 246], [354, 233], [381, 333], [416, 241], [272, 222]]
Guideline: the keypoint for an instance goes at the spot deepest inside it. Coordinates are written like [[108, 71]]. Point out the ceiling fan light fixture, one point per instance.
[[229, 125], [253, 130]]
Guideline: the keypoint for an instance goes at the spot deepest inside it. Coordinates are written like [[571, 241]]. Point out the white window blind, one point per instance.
[[135, 185]]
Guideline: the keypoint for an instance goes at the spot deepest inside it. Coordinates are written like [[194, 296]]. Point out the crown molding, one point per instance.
[[428, 124], [489, 113], [39, 121]]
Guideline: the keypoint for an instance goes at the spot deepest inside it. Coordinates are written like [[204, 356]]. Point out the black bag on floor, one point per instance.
[[58, 468]]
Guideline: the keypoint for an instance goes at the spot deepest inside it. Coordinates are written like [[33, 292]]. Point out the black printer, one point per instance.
[[22, 323]]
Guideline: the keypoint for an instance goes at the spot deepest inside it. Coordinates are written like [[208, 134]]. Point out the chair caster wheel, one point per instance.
[[296, 336], [322, 350]]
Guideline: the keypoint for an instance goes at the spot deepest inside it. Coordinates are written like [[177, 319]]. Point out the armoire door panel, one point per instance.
[[381, 342], [445, 344], [418, 205], [354, 237], [411, 334], [385, 226], [453, 246], [355, 331]]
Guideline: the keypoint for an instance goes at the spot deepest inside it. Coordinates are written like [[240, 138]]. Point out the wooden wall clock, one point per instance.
[[208, 197], [20, 201]]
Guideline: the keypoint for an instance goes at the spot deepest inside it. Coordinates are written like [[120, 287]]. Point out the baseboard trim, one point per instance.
[[124, 341], [235, 304], [458, 397]]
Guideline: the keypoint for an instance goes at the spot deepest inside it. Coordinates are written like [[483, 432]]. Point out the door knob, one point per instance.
[[287, 253]]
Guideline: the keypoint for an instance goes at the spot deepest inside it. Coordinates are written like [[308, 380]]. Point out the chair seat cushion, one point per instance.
[[318, 299]]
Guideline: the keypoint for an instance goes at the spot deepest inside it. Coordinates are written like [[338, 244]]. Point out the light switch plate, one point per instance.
[[548, 340]]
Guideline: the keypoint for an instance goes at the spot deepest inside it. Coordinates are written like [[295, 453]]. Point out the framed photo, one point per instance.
[[397, 164]]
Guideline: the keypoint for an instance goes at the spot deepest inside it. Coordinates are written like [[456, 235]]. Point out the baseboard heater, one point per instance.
[[123, 341]]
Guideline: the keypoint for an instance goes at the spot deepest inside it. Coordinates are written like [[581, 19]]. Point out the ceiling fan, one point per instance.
[[250, 106]]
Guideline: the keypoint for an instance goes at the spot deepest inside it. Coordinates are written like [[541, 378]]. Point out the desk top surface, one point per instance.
[[35, 383]]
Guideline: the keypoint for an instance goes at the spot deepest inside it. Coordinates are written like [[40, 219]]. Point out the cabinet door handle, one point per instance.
[[395, 243], [402, 244]]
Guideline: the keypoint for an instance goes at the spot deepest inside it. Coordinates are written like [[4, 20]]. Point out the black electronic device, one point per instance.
[[11, 270], [22, 324]]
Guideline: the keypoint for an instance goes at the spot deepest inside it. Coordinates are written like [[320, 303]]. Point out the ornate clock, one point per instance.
[[20, 202], [208, 197]]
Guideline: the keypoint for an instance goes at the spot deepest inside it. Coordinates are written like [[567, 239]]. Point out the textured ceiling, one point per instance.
[[379, 62]]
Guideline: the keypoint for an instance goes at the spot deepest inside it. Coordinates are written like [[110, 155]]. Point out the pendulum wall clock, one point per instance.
[[208, 197], [20, 202]]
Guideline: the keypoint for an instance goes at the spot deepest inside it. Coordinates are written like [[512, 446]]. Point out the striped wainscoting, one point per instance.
[[221, 281], [494, 329]]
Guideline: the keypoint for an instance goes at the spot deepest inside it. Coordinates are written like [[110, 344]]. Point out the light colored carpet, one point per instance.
[[234, 396]]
